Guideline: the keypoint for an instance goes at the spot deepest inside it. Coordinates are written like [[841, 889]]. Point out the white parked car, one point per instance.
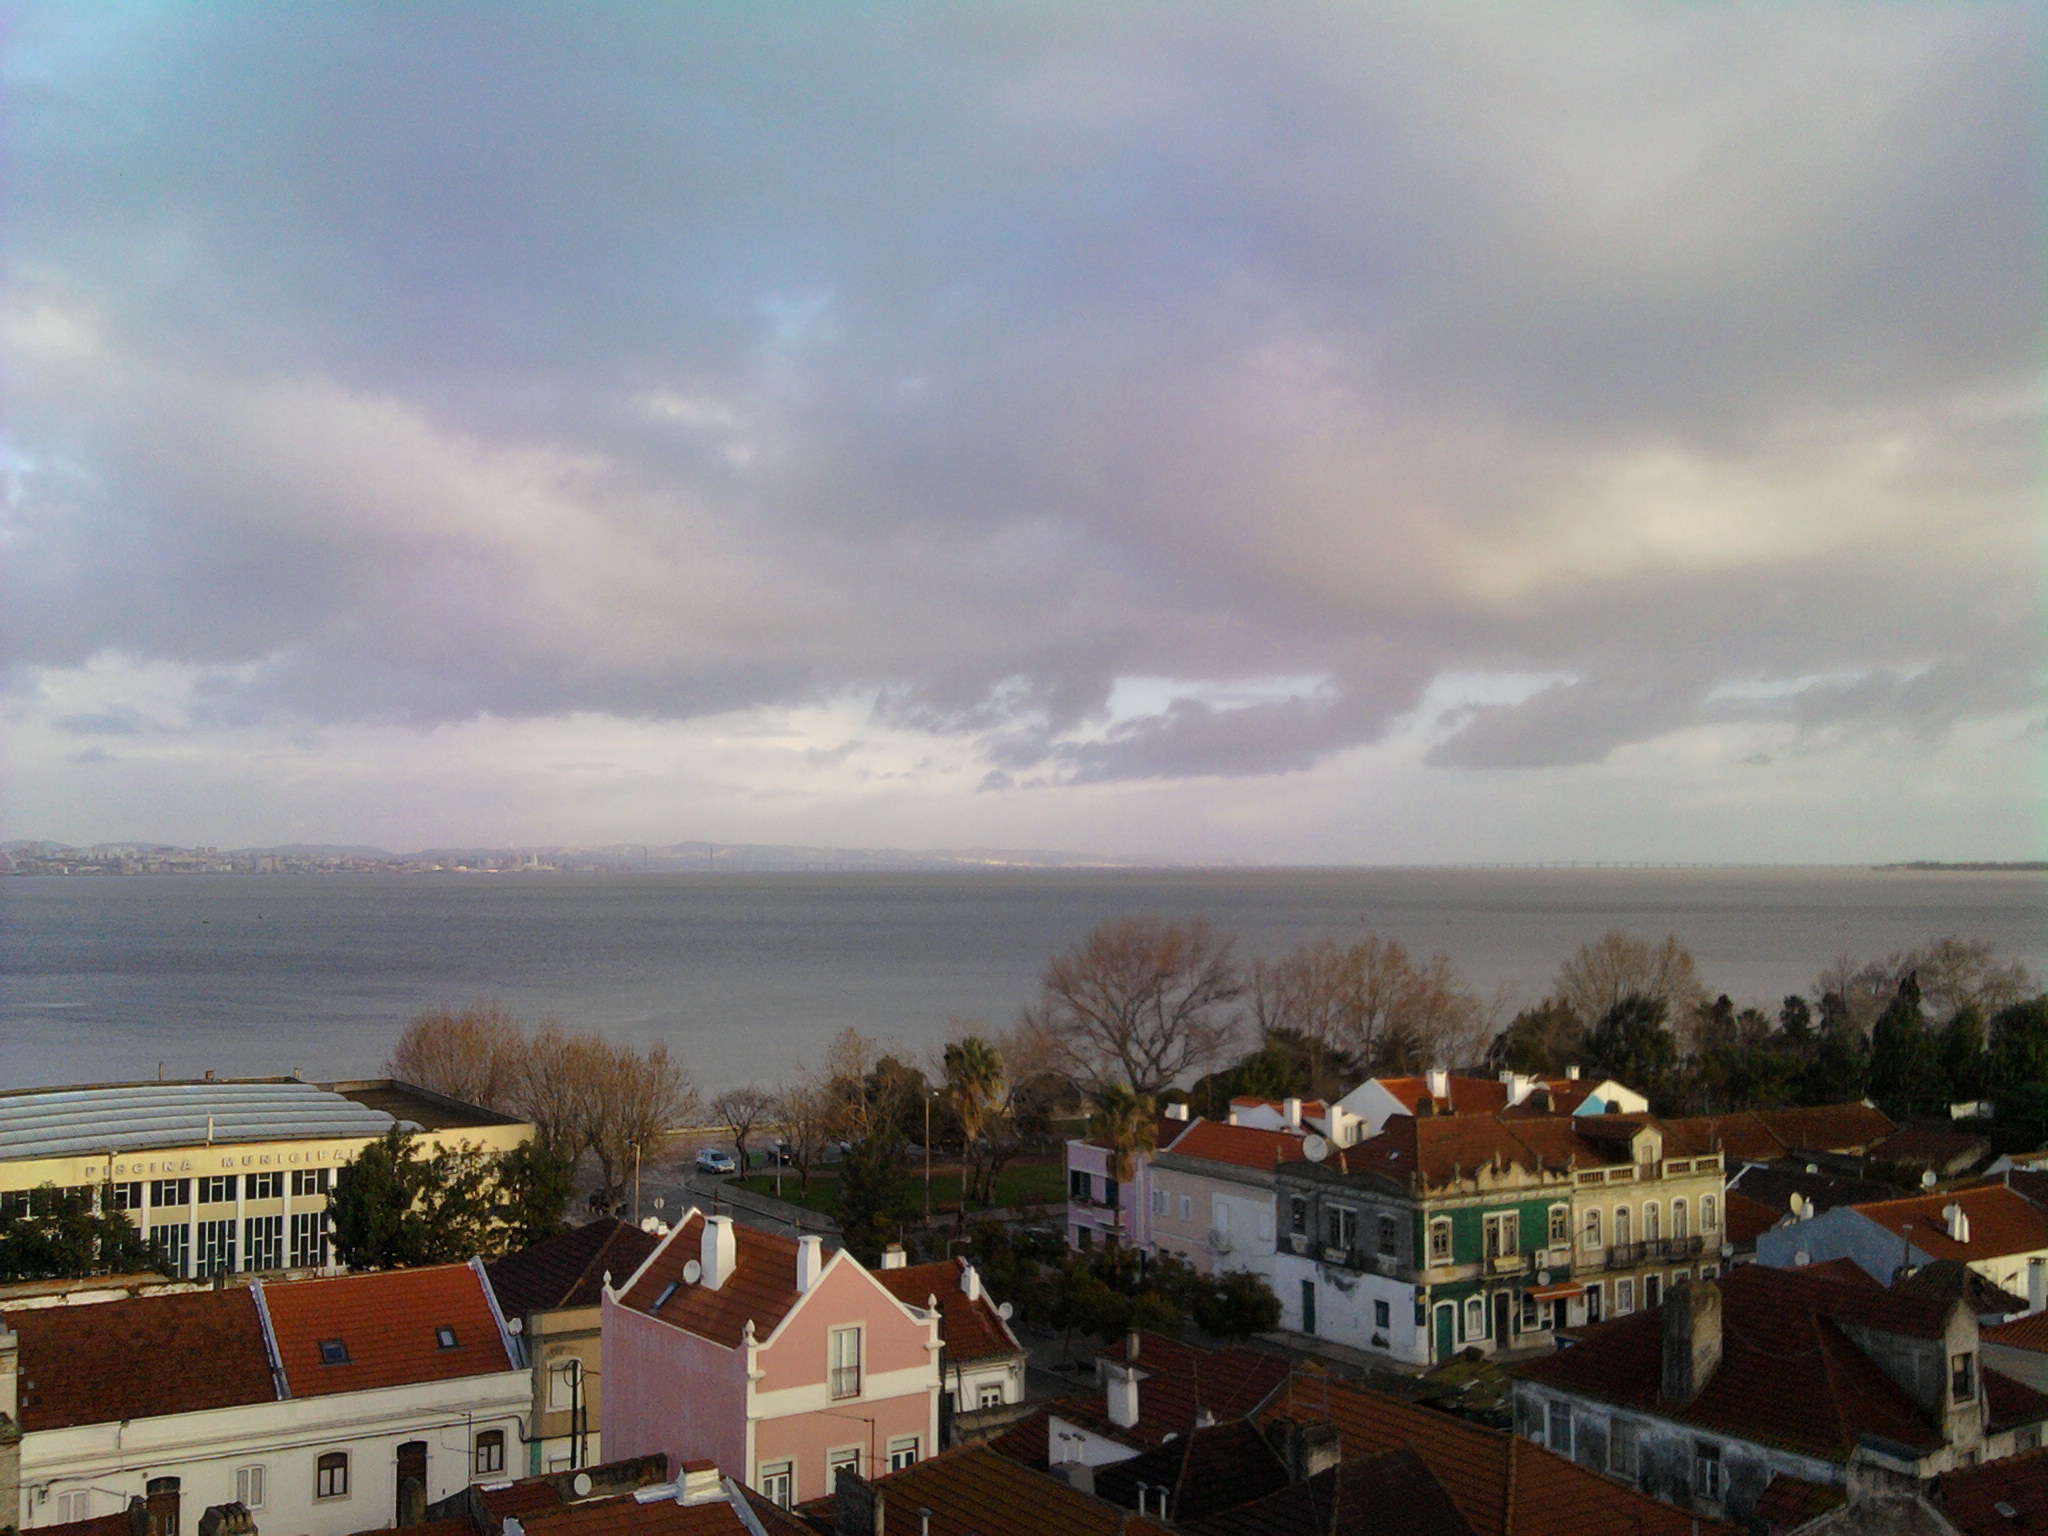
[[716, 1160]]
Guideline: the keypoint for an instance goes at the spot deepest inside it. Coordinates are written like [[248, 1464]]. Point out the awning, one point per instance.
[[1557, 1292]]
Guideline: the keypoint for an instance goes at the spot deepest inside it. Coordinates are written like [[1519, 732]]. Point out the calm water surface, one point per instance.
[[747, 976]]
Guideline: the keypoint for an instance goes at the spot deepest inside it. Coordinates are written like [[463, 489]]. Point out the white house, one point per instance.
[[1990, 1229], [1365, 1110], [326, 1406]]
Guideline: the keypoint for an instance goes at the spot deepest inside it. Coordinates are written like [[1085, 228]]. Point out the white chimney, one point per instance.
[[810, 1262], [970, 1283], [1177, 1111], [1572, 1073], [893, 1257], [1123, 1393], [700, 1483], [1233, 1114], [1440, 1083], [1518, 1087], [721, 1251], [1957, 1222], [2037, 1292], [1293, 1108]]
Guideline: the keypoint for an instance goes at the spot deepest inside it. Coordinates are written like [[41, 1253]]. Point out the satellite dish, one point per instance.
[[1797, 1202], [582, 1485], [1315, 1149], [515, 1325], [660, 1204], [1004, 1311], [692, 1272], [1927, 1179]]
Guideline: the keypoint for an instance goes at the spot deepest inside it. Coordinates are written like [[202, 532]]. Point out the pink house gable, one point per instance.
[[740, 1371]]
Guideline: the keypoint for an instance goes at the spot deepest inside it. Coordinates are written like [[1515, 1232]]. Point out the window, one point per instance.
[[249, 1487], [216, 1247], [125, 1197], [1475, 1319], [444, 1337], [14, 1204], [333, 1352], [74, 1506], [778, 1482], [989, 1395], [1710, 1214], [1341, 1224], [265, 1186], [1560, 1226], [1624, 1448], [845, 1362], [1527, 1317], [1559, 1432], [217, 1190], [490, 1451], [176, 1244], [1590, 1238], [1297, 1214], [309, 1240], [1653, 1290], [309, 1181], [847, 1456], [1962, 1376], [1086, 1238], [1651, 1229], [1706, 1470], [563, 1378], [1158, 1202], [902, 1452], [1708, 1271], [1624, 1297], [1382, 1315], [1503, 1234], [170, 1192], [330, 1474], [1440, 1240], [263, 1242], [1678, 1219], [2027, 1439], [1621, 1226], [1387, 1235], [1079, 1186], [1187, 1208]]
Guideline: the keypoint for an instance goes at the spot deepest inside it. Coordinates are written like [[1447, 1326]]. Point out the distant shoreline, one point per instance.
[[1984, 867]]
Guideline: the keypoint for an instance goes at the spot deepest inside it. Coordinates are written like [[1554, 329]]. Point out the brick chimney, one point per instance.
[[1307, 1446], [720, 1255], [1692, 1338]]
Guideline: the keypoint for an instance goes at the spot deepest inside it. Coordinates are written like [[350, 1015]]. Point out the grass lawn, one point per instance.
[[1019, 1184]]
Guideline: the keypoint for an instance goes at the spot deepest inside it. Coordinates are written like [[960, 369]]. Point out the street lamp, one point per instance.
[[636, 1183]]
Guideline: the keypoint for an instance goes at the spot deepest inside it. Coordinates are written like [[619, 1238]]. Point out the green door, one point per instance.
[[1446, 1332]]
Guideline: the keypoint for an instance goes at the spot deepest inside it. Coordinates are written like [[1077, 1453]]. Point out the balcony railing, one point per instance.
[[1655, 1250], [1506, 1263]]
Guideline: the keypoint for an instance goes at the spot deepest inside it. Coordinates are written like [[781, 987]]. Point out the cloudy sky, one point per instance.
[[1253, 432]]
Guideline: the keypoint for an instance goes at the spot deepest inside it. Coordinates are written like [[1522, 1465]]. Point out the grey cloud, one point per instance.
[[112, 722], [672, 362]]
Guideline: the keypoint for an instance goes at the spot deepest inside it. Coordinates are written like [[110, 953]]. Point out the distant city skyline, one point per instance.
[[1362, 435]]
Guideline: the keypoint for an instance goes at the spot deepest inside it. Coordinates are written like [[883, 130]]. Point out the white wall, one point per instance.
[[1345, 1316]]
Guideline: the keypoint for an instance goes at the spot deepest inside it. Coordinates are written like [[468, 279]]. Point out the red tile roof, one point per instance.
[[627, 1516], [1926, 1146], [1747, 1219], [1440, 1150], [1789, 1377], [1766, 1135], [1972, 1498], [1310, 1108], [973, 1330], [120, 1524], [389, 1324], [113, 1360], [566, 1271], [761, 1289], [1468, 1095], [2021, 1333], [1500, 1483], [973, 1491], [2000, 1222], [1204, 1472], [1243, 1146], [1391, 1494], [1177, 1381]]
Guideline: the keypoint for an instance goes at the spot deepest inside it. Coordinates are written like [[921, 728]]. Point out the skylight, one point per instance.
[[666, 1292], [446, 1336], [333, 1352]]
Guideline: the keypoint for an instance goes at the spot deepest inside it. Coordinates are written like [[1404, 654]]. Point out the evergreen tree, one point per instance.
[[535, 1181], [2019, 1043], [392, 1208], [1631, 1045], [61, 1236], [1795, 1021], [875, 1197], [1905, 1076], [1839, 1068], [1965, 1066]]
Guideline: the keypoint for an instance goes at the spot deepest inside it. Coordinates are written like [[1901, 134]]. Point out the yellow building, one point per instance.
[[226, 1175]]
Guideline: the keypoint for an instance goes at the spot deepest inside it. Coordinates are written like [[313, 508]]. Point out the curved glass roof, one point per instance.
[[65, 1122]]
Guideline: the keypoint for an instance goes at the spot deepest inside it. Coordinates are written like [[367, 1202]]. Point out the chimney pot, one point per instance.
[[893, 1257], [720, 1253], [1293, 1108]]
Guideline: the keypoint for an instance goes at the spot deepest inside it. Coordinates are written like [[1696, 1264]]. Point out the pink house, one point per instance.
[[765, 1354]]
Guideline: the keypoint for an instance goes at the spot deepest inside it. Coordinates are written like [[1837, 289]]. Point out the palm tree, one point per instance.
[[974, 1086], [1126, 1122]]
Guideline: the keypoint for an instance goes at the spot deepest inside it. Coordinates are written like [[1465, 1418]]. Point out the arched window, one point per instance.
[[1475, 1319], [1652, 1230], [1710, 1216], [490, 1451], [1591, 1237], [1621, 1224], [330, 1475], [1678, 1226]]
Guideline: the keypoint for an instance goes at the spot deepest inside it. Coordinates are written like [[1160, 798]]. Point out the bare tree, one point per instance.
[[1373, 1003], [474, 1053], [806, 1109], [633, 1102], [743, 1109], [555, 1083], [1618, 965], [1952, 974], [1141, 1002]]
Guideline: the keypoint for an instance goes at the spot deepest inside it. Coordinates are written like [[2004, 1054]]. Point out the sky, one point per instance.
[[1294, 433]]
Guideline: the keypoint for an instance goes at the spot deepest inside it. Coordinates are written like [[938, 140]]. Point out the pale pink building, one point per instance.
[[770, 1357]]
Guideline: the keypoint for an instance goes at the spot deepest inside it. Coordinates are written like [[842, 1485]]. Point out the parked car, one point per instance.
[[716, 1160], [779, 1156]]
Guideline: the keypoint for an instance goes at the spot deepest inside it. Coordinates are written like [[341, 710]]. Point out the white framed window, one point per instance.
[[309, 1181], [1710, 1213], [1342, 1226], [1709, 1271], [1624, 1448], [1560, 1226], [1652, 1227], [490, 1452], [1503, 1234], [777, 1482], [1187, 1207], [1558, 1430], [1475, 1319], [1590, 1238], [847, 1456], [1624, 1297], [176, 1244], [74, 1506], [218, 1189], [1679, 1227], [264, 1186], [902, 1452], [563, 1376], [1621, 1226], [330, 1475], [845, 1362], [1158, 1202], [989, 1395], [1706, 1470], [249, 1486], [1440, 1240]]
